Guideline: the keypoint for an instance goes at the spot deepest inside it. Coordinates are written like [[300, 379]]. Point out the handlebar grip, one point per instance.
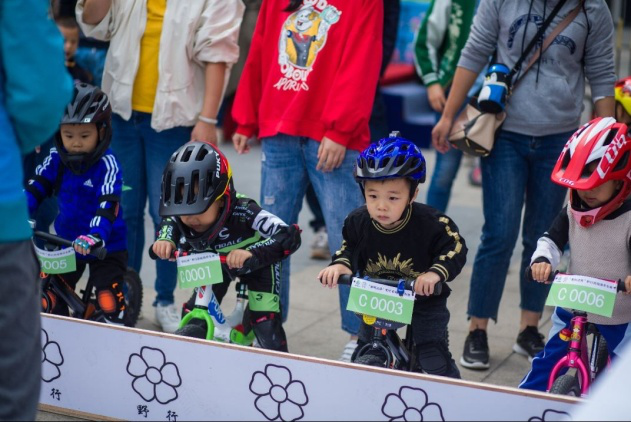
[[346, 279], [99, 252], [152, 254]]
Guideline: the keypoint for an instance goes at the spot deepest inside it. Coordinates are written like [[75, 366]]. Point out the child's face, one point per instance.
[[79, 138], [386, 200], [204, 221], [600, 195], [621, 115], [71, 40]]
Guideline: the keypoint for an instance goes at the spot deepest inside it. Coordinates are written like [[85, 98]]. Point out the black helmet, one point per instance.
[[89, 105], [202, 164]]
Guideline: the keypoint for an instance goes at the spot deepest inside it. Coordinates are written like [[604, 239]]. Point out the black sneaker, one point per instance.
[[476, 350], [529, 342]]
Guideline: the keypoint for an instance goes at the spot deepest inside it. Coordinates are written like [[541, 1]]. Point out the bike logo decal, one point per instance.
[[52, 358], [411, 404], [154, 377], [551, 415], [278, 395]]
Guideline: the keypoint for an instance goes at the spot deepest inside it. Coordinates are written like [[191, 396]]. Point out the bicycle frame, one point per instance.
[[80, 307], [576, 356]]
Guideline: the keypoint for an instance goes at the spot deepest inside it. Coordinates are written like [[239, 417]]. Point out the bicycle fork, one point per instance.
[[577, 354]]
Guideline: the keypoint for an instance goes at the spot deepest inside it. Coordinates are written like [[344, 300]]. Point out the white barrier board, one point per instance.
[[115, 372]]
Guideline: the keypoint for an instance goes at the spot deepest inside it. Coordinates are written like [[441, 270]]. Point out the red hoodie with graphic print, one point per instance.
[[312, 72]]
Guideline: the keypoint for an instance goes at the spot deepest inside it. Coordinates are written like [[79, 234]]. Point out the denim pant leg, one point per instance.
[[445, 171], [159, 146], [128, 146], [338, 194], [544, 201], [505, 174], [283, 184]]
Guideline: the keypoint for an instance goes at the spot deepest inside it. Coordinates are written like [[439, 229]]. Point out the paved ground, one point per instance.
[[313, 326]]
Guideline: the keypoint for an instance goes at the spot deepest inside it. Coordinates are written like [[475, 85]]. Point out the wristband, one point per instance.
[[208, 120]]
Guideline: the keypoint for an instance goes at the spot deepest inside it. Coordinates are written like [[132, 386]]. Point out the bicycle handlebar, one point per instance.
[[621, 286], [99, 252], [249, 265], [347, 279]]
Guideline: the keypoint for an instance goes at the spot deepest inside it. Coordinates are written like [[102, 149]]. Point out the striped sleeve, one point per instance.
[[450, 250], [109, 191], [429, 39]]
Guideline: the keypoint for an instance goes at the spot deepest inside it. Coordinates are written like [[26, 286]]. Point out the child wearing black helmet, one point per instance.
[[202, 212], [394, 237], [86, 178]]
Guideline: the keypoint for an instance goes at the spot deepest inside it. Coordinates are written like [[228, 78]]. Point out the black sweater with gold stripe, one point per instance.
[[426, 240]]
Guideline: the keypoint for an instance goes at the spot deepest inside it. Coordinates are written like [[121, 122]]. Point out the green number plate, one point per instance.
[[583, 293], [57, 262], [199, 270], [380, 301]]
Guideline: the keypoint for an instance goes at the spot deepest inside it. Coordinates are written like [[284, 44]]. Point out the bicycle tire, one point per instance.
[[370, 360], [566, 385], [133, 297], [602, 356], [196, 328]]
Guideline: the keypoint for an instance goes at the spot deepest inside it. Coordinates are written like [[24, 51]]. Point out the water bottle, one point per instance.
[[492, 98]]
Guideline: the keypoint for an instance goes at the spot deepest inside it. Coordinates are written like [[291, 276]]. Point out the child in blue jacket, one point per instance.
[[85, 176]]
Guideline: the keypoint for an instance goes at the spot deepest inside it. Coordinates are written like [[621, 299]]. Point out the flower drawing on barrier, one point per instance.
[[411, 404], [279, 396], [154, 377], [551, 415], [52, 358]]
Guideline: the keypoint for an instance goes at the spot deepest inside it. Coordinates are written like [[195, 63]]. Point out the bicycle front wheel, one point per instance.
[[566, 385], [132, 288]]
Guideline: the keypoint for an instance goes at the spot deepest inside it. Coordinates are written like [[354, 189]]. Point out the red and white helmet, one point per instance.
[[602, 140]]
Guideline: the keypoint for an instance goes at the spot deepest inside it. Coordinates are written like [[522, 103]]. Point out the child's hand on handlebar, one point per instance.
[[164, 249], [541, 271], [85, 243], [328, 276], [424, 285], [237, 258]]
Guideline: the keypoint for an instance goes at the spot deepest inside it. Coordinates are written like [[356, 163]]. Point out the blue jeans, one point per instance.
[[143, 153], [445, 171], [288, 165], [517, 171]]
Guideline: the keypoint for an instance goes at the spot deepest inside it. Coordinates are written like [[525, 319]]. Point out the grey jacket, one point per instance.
[[549, 99]]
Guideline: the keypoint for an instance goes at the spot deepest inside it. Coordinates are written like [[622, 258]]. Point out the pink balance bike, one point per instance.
[[574, 373]]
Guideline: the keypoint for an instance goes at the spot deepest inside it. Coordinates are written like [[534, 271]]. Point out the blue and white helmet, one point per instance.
[[392, 157]]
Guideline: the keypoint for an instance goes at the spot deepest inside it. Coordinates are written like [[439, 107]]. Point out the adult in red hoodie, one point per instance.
[[307, 91]]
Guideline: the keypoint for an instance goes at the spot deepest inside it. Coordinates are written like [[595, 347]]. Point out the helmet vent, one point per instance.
[[179, 190], [586, 173], [371, 162], [385, 161], [622, 162], [566, 160], [400, 160], [192, 197], [186, 156], [610, 137], [201, 154]]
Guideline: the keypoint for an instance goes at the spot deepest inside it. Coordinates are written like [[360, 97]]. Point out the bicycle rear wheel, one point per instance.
[[566, 385], [132, 288]]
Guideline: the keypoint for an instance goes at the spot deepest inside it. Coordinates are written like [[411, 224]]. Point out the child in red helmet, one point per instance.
[[596, 166]]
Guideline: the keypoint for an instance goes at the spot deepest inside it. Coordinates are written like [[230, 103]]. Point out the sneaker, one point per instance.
[[529, 342], [320, 245], [476, 350], [348, 351], [168, 317]]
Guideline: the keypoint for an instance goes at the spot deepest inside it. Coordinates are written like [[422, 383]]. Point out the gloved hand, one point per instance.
[[84, 243]]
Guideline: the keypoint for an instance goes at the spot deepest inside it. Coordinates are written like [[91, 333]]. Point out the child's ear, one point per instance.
[[414, 196], [102, 132]]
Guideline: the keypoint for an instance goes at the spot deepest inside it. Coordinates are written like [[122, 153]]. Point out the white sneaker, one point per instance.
[[320, 245], [168, 317], [348, 351]]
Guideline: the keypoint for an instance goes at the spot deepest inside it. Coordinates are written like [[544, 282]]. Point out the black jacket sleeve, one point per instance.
[[449, 250]]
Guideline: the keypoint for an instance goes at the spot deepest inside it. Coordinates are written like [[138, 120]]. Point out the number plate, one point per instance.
[[377, 300], [583, 293], [57, 262], [198, 270]]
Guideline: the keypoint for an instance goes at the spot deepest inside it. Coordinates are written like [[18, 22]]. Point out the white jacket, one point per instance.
[[194, 32]]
